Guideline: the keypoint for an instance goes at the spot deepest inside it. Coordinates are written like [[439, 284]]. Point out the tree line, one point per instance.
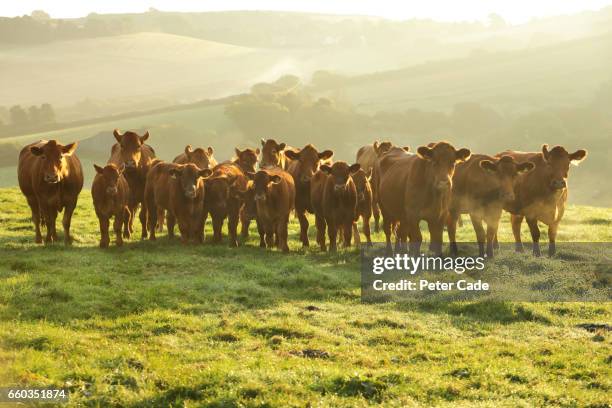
[[19, 118]]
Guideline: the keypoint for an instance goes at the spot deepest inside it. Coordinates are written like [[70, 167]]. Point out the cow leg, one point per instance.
[[262, 234], [492, 219], [66, 221], [387, 230], [480, 232], [376, 213], [347, 232], [50, 214], [151, 224], [401, 237], [495, 242], [451, 226], [436, 232], [516, 221], [171, 222], [104, 224], [270, 228], [33, 203], [282, 234], [198, 233], [332, 232], [143, 222], [160, 220], [552, 238], [303, 228], [117, 227], [535, 235], [232, 226], [366, 229], [184, 229], [356, 236], [321, 225], [245, 223], [414, 234], [127, 216], [217, 223]]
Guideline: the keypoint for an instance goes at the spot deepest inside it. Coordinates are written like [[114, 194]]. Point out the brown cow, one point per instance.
[[367, 155], [131, 152], [178, 189], [542, 193], [482, 185], [364, 203], [273, 154], [274, 194], [418, 187], [305, 163], [51, 178], [204, 159], [110, 193], [334, 201], [225, 191]]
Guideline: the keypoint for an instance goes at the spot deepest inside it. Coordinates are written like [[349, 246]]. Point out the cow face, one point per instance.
[[271, 153], [219, 190], [110, 174], [262, 181], [53, 155], [189, 178], [130, 144], [506, 170], [443, 157], [308, 162], [362, 183], [382, 148], [247, 159], [340, 173], [199, 156], [557, 162]]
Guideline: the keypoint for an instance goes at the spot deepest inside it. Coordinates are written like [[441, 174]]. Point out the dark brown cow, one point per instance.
[[246, 160], [541, 194], [110, 193], [273, 154], [274, 195], [225, 191], [364, 203], [131, 152], [178, 189], [204, 159], [418, 187], [334, 201], [51, 178], [305, 163], [482, 185]]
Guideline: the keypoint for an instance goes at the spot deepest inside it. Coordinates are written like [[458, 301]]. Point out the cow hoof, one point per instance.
[[233, 244], [38, 240], [518, 247], [103, 244], [536, 252], [119, 243]]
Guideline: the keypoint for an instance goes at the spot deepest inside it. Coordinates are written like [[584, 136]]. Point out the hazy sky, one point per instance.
[[514, 11]]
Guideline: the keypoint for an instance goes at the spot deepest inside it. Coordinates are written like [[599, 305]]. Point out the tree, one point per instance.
[[40, 15], [46, 113], [496, 21], [33, 115], [19, 117]]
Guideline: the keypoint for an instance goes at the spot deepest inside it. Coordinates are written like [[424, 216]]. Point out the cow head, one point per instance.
[[381, 148], [362, 183], [219, 189], [340, 173], [53, 155], [442, 157], [199, 156], [189, 176], [557, 163], [262, 181], [246, 159], [130, 144], [308, 160], [110, 174], [271, 153], [506, 170]]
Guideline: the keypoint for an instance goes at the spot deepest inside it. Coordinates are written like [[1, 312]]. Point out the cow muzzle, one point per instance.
[[506, 196], [112, 190], [443, 185], [260, 197], [130, 164], [340, 187], [191, 193], [52, 178], [558, 184]]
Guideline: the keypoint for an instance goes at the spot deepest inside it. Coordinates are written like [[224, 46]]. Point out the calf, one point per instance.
[[274, 194], [178, 189], [418, 187], [110, 193], [364, 203], [541, 194], [305, 163], [482, 185], [334, 201], [50, 177], [273, 154], [246, 160], [135, 156]]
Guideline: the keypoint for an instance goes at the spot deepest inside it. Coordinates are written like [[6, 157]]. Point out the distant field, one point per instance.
[[161, 324]]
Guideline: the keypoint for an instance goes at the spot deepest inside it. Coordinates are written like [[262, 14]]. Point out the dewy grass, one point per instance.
[[162, 324]]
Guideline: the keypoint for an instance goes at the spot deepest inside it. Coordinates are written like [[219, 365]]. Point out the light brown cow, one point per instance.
[[274, 195], [110, 193], [334, 201], [273, 154], [364, 203], [135, 156], [541, 194], [178, 189], [51, 178], [418, 187], [482, 185], [204, 159], [305, 163]]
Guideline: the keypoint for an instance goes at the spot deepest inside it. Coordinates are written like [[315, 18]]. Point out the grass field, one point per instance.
[[162, 324]]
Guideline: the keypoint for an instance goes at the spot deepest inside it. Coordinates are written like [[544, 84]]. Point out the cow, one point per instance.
[[178, 189], [135, 156], [541, 194], [273, 154], [110, 193], [225, 194], [334, 202], [482, 185], [204, 159], [364, 203], [367, 155], [50, 177], [274, 195], [305, 163], [418, 187]]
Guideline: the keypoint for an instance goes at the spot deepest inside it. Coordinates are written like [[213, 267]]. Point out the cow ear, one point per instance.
[[525, 167], [488, 165], [292, 154], [175, 172], [282, 146], [275, 179], [257, 151], [118, 136], [237, 151], [406, 148], [545, 153], [36, 151], [326, 154], [376, 145], [425, 152], [205, 173], [578, 156], [69, 148], [250, 175], [210, 151], [99, 169], [462, 154], [144, 137], [354, 168], [263, 142], [188, 150], [325, 169]]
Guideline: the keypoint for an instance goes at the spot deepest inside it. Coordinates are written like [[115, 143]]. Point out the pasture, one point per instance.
[[162, 324]]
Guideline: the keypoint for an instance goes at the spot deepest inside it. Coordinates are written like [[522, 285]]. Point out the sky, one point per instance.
[[513, 11]]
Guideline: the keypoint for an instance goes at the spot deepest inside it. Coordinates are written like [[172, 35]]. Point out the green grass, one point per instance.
[[162, 324]]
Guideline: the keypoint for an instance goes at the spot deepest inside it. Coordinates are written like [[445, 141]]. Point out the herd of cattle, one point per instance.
[[437, 184]]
